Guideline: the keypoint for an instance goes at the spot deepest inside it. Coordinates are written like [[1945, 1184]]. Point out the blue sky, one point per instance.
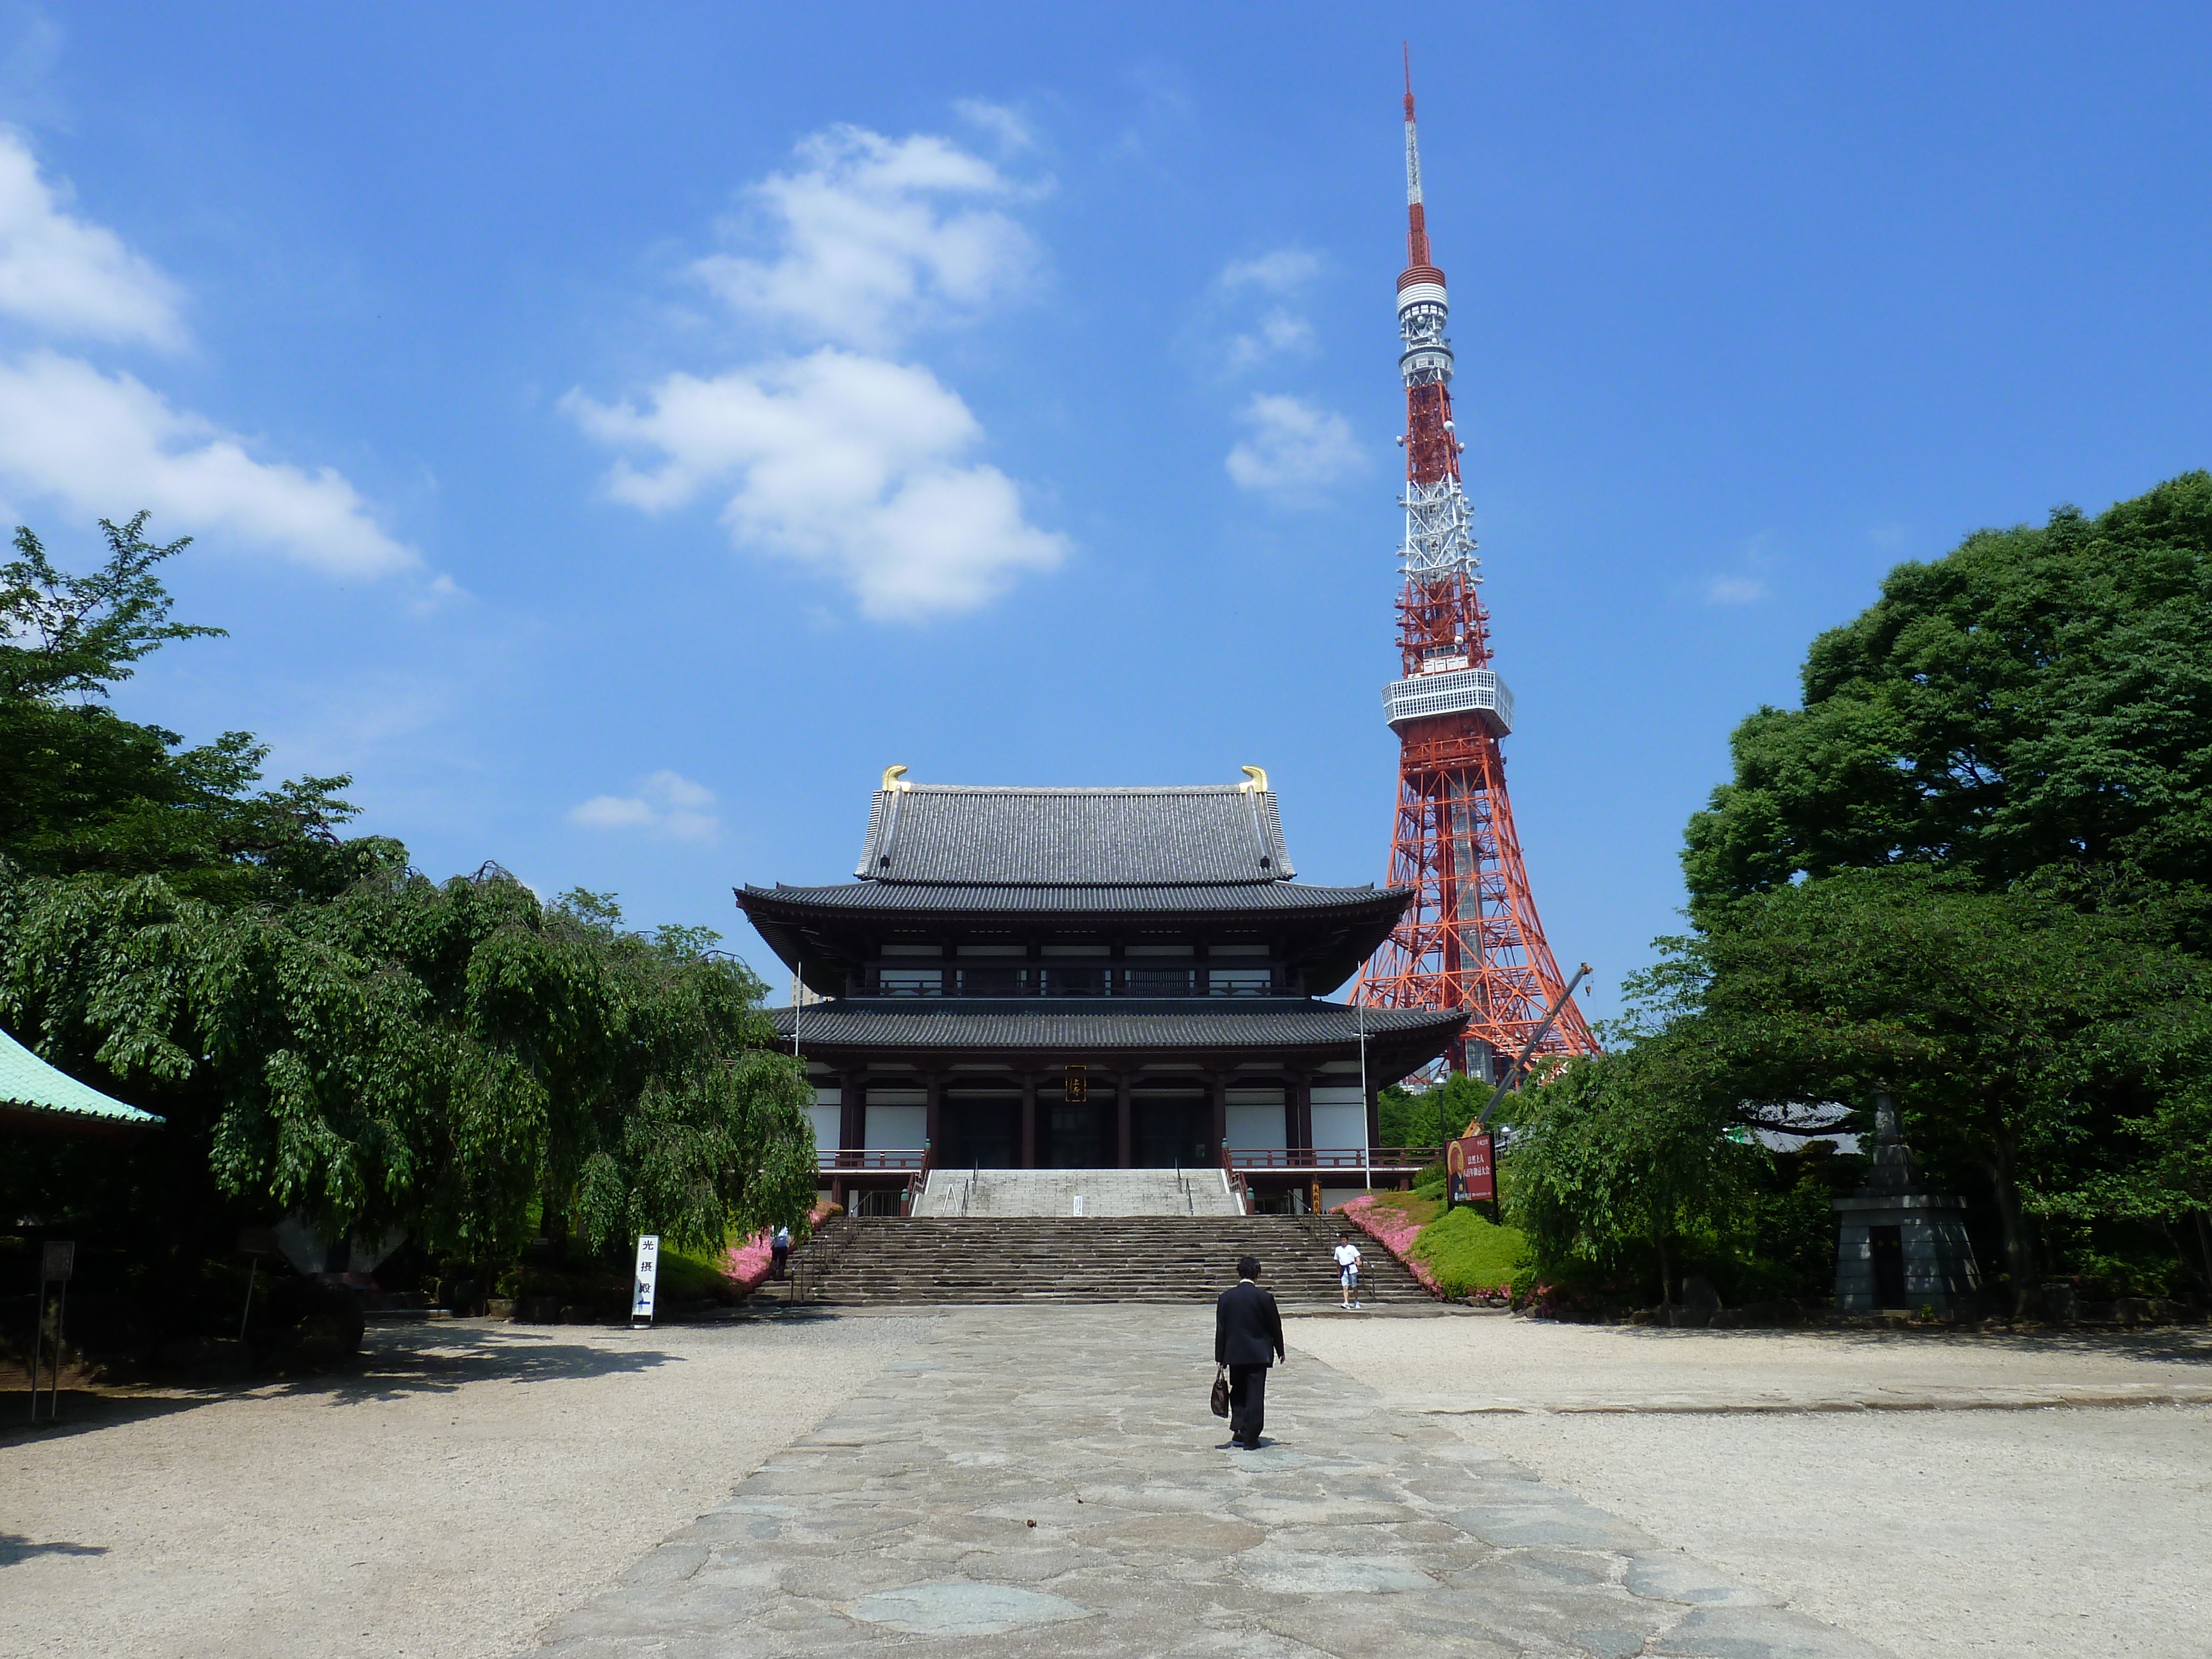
[[613, 435]]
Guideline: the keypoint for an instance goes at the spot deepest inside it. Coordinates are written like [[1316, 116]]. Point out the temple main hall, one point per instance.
[[1112, 978]]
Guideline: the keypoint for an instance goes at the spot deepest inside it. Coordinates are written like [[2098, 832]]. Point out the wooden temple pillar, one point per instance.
[[1216, 1090], [1029, 1120], [1301, 1124], [852, 1108], [933, 1122], [1122, 1115]]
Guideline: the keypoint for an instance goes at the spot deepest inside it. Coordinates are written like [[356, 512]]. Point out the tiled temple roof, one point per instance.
[[1204, 835], [29, 1086]]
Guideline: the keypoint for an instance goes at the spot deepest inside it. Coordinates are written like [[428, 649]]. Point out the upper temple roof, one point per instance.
[[1207, 834]]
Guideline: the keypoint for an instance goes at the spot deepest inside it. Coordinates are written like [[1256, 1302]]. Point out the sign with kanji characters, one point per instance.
[[1470, 1168], [648, 1269]]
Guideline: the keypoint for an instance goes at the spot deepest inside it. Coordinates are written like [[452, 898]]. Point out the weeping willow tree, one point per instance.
[[448, 1058], [325, 1030]]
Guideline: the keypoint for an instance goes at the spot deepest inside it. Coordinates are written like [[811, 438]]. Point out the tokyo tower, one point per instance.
[[1471, 938]]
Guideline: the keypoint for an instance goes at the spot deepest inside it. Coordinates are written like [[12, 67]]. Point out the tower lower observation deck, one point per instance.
[[1450, 691]]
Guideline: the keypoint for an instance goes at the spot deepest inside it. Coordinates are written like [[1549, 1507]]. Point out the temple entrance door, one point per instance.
[[1886, 1245], [980, 1131], [1169, 1129], [1075, 1136]]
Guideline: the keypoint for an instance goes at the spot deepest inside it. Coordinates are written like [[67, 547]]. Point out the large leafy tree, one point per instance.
[[2037, 704], [83, 790], [438, 1057], [2057, 1054], [1973, 866], [1618, 1157], [325, 1030]]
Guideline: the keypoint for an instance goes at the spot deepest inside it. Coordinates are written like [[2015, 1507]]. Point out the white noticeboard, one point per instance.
[[648, 1269]]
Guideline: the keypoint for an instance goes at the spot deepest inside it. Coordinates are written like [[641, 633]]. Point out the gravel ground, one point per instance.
[[1936, 1533], [470, 1483]]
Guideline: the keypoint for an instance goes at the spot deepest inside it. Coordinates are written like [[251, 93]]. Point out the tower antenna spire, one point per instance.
[[1470, 939], [1417, 224]]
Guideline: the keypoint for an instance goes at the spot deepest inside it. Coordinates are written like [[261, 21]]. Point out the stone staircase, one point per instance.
[[1088, 1193], [1027, 1260]]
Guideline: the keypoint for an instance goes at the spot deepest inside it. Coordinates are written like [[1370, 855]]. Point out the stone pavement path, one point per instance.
[[1048, 1481]]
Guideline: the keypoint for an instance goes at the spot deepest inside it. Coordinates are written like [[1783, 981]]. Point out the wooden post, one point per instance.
[[1217, 1085], [933, 1122], [852, 1108], [1301, 1135], [1029, 1120], [1122, 1115]]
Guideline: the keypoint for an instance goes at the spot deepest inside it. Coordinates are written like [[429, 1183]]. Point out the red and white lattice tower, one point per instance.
[[1470, 938]]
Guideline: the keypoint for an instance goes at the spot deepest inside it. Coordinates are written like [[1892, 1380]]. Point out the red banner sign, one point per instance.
[[1470, 1168]]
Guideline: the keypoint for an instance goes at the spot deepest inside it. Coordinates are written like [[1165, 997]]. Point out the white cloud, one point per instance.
[[838, 456], [107, 444], [1292, 448], [1009, 129], [68, 277], [844, 461], [1279, 331], [1280, 270], [879, 236], [667, 803], [1734, 590]]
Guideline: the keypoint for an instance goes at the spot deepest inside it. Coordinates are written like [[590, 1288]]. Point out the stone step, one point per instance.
[[1135, 1258]]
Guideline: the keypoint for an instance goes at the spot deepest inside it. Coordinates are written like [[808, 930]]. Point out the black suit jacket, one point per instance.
[[1246, 1329]]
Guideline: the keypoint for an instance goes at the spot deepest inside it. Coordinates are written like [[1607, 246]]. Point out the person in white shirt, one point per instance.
[[1347, 1270]]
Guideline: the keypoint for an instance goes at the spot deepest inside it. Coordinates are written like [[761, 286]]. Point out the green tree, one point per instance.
[[437, 1057], [1615, 1158], [1432, 1116], [83, 790], [2036, 704], [325, 1030], [2056, 1052], [1973, 865]]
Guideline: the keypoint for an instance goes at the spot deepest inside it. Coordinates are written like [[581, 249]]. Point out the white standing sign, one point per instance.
[[648, 1269]]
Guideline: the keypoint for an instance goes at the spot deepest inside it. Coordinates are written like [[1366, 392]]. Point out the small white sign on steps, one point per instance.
[[1078, 1204]]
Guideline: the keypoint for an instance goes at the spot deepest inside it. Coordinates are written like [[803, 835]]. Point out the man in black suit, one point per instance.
[[1248, 1337]]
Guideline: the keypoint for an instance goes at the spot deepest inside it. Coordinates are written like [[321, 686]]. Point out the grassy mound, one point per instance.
[[1467, 1252]]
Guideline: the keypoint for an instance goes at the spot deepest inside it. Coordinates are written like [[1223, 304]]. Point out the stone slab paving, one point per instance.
[[1048, 1482]]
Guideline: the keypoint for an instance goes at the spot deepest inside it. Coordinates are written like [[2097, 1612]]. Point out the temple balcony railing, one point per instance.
[[1077, 983], [869, 1159], [1054, 980], [1395, 1159]]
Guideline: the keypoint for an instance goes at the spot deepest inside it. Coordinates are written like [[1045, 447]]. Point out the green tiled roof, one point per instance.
[[28, 1083]]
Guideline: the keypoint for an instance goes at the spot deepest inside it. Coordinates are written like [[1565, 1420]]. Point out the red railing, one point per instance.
[[878, 1159], [1239, 1189], [1393, 1158]]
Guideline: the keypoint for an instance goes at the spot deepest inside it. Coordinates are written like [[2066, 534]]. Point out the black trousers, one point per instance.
[[1248, 1403]]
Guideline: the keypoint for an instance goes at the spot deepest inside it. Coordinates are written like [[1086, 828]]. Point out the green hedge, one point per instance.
[[1468, 1252]]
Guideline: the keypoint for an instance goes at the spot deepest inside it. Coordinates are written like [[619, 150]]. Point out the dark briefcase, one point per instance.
[[1220, 1401]]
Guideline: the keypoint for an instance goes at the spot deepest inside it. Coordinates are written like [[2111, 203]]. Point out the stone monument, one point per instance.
[[1901, 1246]]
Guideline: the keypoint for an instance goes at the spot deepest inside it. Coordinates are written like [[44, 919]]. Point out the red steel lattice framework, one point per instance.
[[1471, 938]]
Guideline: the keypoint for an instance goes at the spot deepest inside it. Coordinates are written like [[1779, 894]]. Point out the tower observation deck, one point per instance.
[[1471, 939]]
